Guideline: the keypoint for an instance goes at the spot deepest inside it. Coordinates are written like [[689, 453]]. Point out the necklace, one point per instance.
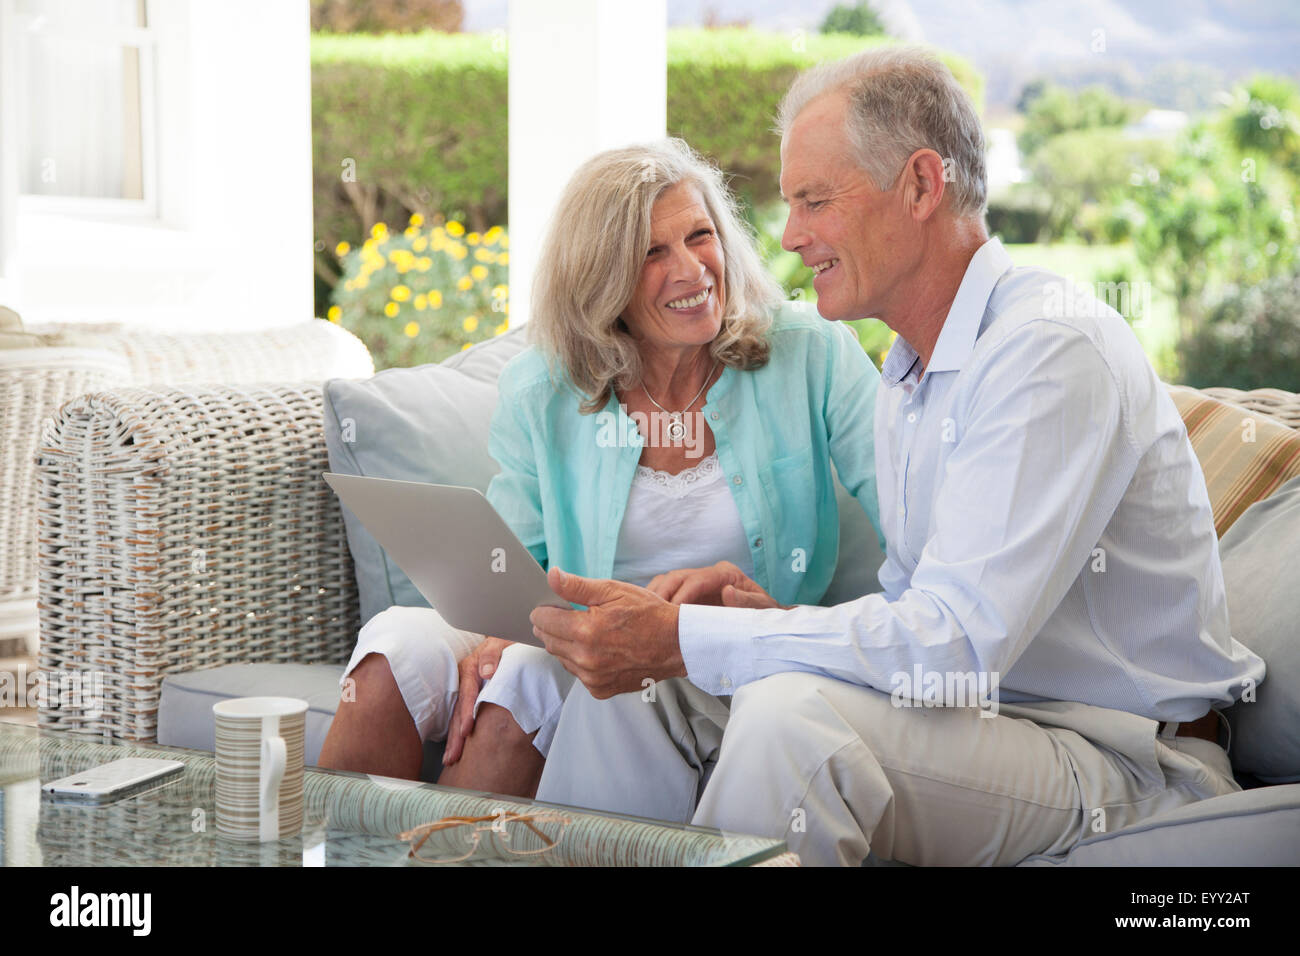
[[676, 428]]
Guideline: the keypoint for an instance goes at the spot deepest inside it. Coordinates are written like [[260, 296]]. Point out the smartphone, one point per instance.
[[112, 781]]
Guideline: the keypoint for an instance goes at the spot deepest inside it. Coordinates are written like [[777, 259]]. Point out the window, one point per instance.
[[85, 107]]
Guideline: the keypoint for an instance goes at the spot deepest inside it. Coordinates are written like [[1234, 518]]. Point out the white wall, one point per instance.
[[232, 247], [585, 75]]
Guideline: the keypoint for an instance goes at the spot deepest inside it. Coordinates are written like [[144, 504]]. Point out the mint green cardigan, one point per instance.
[[565, 476]]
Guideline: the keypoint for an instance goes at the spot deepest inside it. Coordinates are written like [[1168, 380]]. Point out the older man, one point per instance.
[[1051, 581]]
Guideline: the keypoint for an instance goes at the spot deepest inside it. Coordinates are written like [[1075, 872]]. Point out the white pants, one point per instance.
[[836, 770], [422, 651]]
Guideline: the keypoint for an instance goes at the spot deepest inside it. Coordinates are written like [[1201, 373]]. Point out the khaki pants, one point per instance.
[[836, 770]]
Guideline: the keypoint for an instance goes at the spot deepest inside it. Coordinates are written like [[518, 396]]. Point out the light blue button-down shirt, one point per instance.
[[1047, 524], [565, 477]]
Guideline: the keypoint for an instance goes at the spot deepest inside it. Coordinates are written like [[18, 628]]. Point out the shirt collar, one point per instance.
[[962, 324]]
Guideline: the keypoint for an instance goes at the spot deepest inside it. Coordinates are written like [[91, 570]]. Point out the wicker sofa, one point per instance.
[[188, 528], [43, 366]]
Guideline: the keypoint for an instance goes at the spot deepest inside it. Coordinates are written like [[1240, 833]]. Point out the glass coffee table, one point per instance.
[[349, 820]]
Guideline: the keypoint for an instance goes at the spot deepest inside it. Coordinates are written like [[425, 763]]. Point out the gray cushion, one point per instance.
[[185, 711], [428, 423], [1261, 572], [1251, 828]]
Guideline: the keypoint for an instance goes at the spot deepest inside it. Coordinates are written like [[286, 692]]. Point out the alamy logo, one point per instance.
[[102, 909], [923, 688]]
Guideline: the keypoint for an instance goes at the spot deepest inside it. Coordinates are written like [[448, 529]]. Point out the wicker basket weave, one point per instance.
[[309, 351], [184, 528], [33, 384]]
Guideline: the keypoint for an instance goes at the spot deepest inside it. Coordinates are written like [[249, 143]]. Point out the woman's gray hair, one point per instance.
[[591, 261], [901, 99]]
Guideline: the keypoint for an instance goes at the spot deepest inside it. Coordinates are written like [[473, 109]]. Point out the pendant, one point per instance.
[[676, 430]]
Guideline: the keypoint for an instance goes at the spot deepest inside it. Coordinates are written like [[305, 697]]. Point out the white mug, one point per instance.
[[259, 750]]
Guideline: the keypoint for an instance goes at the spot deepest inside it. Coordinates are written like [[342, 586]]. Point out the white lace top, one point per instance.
[[687, 520]]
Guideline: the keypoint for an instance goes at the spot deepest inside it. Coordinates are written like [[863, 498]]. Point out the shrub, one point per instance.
[[1250, 339], [417, 123], [423, 294], [859, 19]]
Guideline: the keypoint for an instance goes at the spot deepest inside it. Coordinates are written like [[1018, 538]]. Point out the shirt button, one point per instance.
[[911, 417], [725, 682], [714, 416], [737, 480], [758, 542]]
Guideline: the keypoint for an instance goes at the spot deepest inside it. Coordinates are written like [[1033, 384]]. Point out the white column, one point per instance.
[[585, 75]]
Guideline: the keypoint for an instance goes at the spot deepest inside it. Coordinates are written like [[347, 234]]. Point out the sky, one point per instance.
[[1119, 42]]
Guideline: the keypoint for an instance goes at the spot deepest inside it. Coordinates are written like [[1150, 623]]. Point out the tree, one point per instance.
[[860, 19], [1056, 110]]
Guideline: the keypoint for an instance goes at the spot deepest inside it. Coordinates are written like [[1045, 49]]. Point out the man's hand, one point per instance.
[[626, 634], [722, 584], [697, 585], [473, 669]]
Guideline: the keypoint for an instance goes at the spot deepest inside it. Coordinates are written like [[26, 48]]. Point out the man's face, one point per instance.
[[839, 222]]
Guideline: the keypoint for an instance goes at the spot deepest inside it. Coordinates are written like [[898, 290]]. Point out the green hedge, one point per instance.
[[423, 119]]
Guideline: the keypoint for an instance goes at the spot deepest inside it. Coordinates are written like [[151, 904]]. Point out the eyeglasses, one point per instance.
[[519, 833]]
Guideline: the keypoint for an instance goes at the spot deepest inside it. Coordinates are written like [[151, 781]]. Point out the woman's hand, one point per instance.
[[473, 670], [721, 584]]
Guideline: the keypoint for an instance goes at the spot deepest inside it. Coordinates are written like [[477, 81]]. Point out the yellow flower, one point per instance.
[[472, 238], [435, 299], [423, 263], [503, 259], [479, 272], [420, 244], [416, 220], [464, 283], [410, 231], [420, 302], [341, 249], [470, 323], [500, 329], [403, 267], [368, 246], [465, 346], [455, 229], [391, 309], [458, 252], [362, 282], [400, 293], [379, 231], [412, 329], [505, 242], [335, 313], [492, 235], [500, 291], [483, 255]]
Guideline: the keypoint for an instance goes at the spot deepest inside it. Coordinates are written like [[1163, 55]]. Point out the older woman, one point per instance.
[[672, 415]]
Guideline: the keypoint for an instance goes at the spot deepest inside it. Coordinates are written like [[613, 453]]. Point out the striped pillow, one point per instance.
[[1243, 463]]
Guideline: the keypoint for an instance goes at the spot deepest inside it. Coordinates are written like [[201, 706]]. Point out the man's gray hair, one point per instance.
[[901, 99]]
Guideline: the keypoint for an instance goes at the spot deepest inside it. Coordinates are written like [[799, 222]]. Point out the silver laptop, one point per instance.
[[456, 550]]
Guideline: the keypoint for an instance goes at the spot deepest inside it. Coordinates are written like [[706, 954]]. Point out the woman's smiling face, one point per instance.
[[680, 297]]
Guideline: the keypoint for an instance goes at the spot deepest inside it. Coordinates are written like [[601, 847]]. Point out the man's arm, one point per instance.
[[1043, 462]]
